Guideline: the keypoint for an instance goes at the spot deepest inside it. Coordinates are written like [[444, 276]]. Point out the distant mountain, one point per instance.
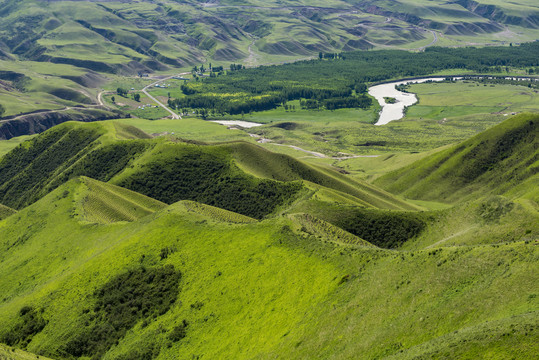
[[133, 36]]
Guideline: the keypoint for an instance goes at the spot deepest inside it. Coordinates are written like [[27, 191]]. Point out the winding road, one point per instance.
[[145, 91], [434, 41]]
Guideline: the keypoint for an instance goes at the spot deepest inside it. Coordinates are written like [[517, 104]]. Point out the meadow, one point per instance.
[[316, 235], [240, 308], [450, 100], [323, 256]]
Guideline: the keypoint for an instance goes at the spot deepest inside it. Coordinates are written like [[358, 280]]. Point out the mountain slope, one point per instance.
[[169, 171], [111, 37], [105, 203], [502, 159], [266, 164], [251, 290], [5, 211]]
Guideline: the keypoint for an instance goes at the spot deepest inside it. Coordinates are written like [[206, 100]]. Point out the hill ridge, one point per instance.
[[500, 160]]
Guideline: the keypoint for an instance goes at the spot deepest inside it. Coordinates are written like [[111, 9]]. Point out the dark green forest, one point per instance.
[[339, 82]]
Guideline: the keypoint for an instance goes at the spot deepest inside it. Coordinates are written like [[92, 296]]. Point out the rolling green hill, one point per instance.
[[168, 171], [502, 160], [109, 36], [58, 54], [262, 289], [266, 164], [118, 245], [105, 203]]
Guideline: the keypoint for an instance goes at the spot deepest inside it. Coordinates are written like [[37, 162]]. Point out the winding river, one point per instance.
[[395, 111]]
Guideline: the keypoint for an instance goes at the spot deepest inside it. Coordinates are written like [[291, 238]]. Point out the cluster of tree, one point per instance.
[[2, 110], [234, 67], [187, 90], [223, 105], [382, 228], [503, 81], [105, 162], [120, 304], [363, 102], [122, 92], [322, 55], [30, 323], [320, 80]]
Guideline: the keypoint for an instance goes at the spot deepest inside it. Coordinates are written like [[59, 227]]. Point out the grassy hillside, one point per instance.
[[73, 48], [263, 289], [110, 36], [266, 164], [5, 211], [219, 175], [9, 353], [105, 203], [37, 166], [502, 159]]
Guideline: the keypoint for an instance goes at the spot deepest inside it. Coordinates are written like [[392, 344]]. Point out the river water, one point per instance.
[[395, 111], [243, 124]]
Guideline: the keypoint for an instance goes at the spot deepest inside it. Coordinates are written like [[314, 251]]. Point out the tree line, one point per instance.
[[340, 77]]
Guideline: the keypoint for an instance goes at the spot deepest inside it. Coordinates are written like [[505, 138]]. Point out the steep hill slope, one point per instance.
[[35, 167], [502, 160], [105, 203], [262, 289], [5, 211], [168, 171]]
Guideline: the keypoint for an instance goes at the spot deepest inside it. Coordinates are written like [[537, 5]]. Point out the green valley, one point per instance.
[[342, 179]]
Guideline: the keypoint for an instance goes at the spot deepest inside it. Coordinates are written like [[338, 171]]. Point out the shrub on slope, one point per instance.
[[385, 229], [26, 170], [40, 165], [188, 172]]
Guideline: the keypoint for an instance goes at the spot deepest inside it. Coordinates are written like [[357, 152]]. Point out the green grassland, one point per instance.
[[188, 128], [128, 105], [223, 175], [8, 353], [262, 289], [151, 238], [494, 162], [448, 100], [330, 268]]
